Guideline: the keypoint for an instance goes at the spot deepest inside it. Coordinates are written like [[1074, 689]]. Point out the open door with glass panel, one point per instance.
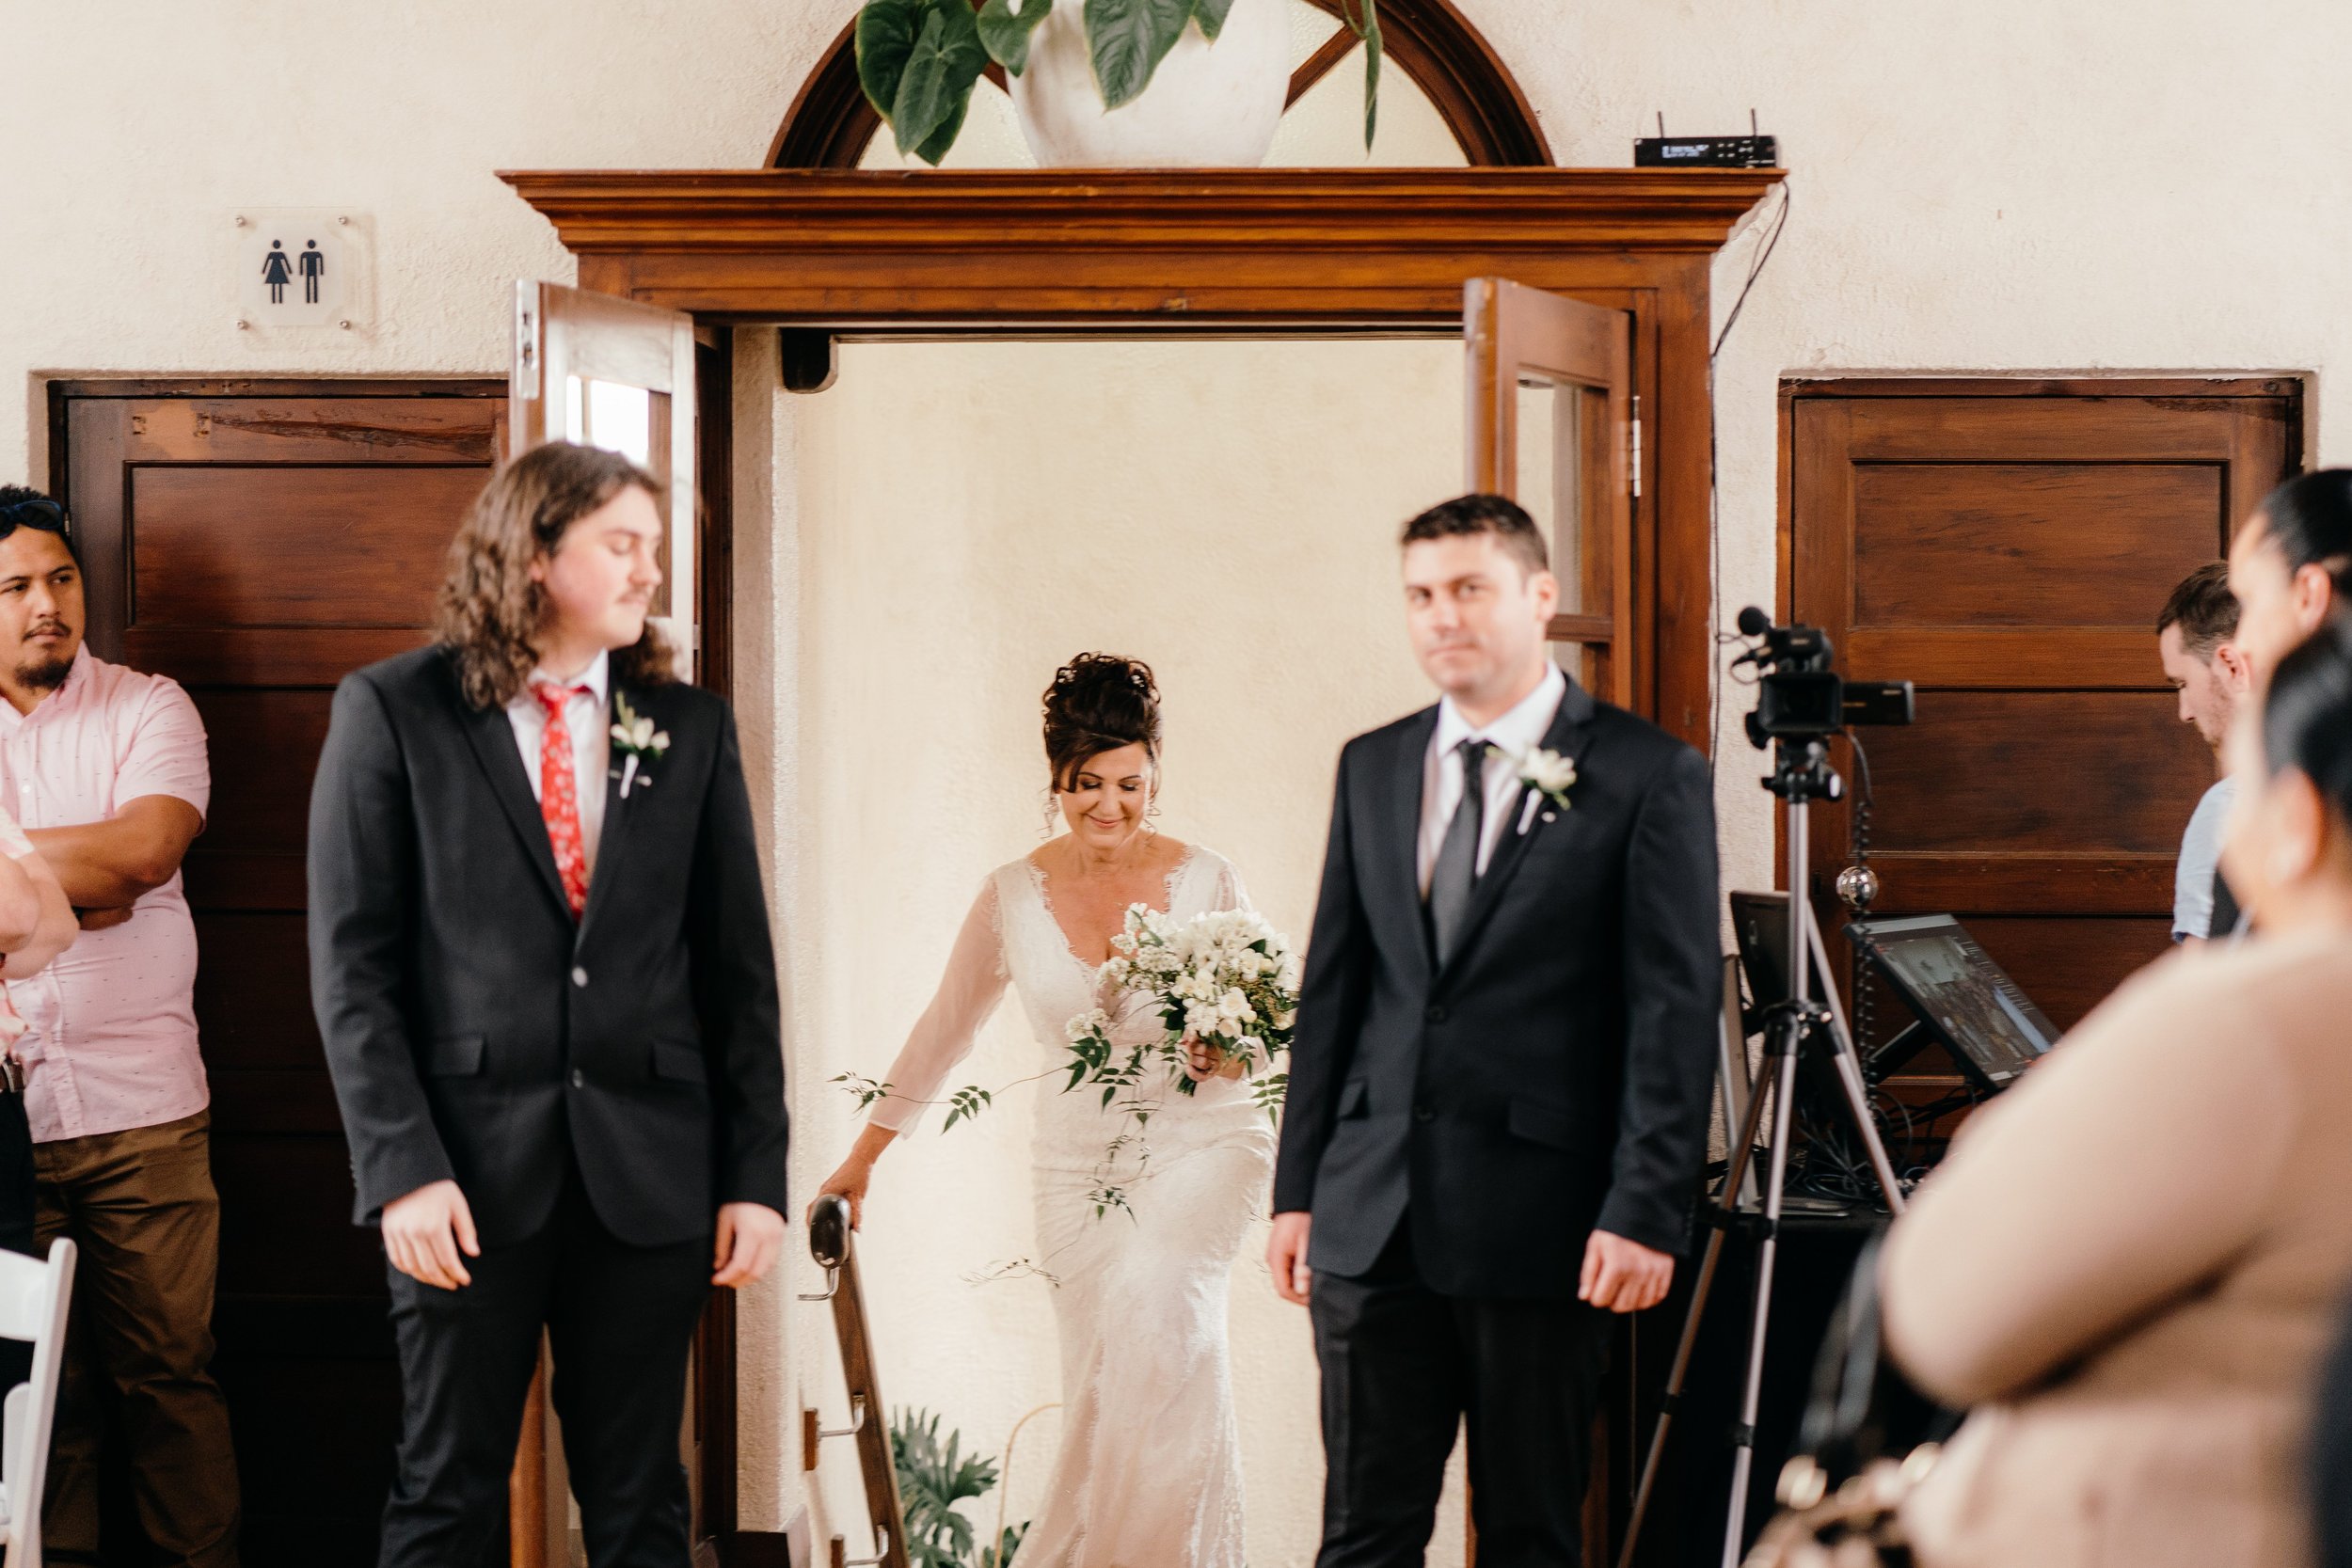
[[1550, 426], [607, 373], [611, 372]]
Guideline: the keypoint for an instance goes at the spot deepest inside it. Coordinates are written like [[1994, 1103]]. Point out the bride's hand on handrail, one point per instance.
[[856, 1171], [849, 1182]]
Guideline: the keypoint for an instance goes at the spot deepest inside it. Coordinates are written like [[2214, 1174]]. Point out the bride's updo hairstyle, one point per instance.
[[1099, 702]]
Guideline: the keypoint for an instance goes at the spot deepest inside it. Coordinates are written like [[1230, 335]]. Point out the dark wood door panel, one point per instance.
[[462, 427], [1982, 545], [256, 1002], [2068, 965], [310, 547], [2038, 770], [264, 746], [2007, 548], [285, 1219], [2056, 882], [2080, 427], [2077, 659]]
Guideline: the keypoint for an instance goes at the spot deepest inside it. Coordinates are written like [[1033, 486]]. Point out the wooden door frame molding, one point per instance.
[[1216, 253], [830, 121]]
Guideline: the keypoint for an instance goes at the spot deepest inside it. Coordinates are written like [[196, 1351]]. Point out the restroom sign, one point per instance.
[[301, 268]]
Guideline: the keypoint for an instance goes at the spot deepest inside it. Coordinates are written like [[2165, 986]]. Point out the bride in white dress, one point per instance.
[[1148, 1475]]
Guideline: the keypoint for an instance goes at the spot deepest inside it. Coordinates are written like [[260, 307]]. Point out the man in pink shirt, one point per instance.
[[105, 769]]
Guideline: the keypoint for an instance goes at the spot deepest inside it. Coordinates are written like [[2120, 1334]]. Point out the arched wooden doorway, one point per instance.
[[831, 121]]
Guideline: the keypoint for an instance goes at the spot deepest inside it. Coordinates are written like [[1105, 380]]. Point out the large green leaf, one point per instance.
[[1129, 38], [1372, 49], [947, 60], [945, 138], [1004, 32], [886, 37], [1211, 14]]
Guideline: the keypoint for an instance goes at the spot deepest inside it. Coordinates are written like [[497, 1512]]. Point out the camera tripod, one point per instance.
[[1800, 775]]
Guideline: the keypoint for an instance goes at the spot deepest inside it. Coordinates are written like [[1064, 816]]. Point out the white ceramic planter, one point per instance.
[[1209, 106]]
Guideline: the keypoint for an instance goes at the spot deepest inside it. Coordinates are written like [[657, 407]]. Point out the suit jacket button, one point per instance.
[[1424, 1112], [579, 978], [579, 1079], [1435, 1015]]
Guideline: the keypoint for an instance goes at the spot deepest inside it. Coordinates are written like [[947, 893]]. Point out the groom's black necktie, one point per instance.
[[1457, 870]]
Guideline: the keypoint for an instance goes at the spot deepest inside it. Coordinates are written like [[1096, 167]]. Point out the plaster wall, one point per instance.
[[2013, 186]]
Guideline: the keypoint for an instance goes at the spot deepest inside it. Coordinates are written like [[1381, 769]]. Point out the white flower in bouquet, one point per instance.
[[1227, 981]]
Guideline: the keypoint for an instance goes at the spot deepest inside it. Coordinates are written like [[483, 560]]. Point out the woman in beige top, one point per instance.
[[2131, 1263]]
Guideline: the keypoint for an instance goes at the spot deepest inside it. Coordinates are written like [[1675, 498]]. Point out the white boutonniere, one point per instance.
[[1549, 776], [639, 744]]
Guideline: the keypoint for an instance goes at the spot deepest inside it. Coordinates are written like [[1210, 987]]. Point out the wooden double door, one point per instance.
[[2006, 544]]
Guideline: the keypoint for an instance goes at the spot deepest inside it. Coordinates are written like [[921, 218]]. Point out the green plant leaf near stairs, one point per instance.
[[933, 1477]]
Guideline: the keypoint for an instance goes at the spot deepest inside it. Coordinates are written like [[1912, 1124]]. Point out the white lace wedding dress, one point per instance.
[[1148, 1475]]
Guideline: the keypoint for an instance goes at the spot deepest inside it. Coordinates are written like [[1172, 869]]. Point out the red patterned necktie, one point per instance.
[[559, 793]]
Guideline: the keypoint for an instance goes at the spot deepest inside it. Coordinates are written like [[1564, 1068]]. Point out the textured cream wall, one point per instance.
[[2018, 184]]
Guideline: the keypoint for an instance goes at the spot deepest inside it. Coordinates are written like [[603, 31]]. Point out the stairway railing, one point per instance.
[[831, 1243]]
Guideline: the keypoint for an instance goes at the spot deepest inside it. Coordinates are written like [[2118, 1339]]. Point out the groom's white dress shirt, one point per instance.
[[584, 715], [1517, 732]]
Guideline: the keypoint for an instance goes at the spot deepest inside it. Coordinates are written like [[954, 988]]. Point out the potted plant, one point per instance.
[[1120, 83]]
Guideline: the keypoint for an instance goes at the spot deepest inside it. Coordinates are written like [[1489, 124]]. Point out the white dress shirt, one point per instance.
[[587, 714], [1517, 732], [2200, 854]]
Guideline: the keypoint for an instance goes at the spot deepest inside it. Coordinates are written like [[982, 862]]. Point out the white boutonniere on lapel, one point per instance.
[[639, 744], [1549, 776]]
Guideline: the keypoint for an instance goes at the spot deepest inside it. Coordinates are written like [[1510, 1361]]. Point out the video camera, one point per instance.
[[1799, 696]]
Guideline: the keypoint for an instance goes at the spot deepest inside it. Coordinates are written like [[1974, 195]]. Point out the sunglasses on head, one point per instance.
[[40, 512]]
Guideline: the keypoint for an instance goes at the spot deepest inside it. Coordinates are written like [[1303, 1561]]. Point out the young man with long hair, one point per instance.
[[541, 962]]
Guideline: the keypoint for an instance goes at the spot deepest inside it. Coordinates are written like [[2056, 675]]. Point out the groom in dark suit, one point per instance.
[[1501, 1082], [540, 959]]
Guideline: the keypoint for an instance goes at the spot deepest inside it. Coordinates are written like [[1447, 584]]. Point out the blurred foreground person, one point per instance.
[[2291, 565], [2130, 1266]]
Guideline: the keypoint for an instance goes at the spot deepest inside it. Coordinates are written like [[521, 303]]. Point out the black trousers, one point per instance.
[[619, 1321], [1402, 1367]]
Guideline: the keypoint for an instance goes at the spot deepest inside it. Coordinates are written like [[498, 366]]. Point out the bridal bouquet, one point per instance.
[[1225, 980]]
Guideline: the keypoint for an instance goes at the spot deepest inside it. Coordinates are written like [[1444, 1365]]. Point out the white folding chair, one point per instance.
[[34, 1297]]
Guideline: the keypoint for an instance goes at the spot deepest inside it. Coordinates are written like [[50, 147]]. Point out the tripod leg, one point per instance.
[[1767, 1253], [1727, 1203], [1849, 1060], [1858, 1103]]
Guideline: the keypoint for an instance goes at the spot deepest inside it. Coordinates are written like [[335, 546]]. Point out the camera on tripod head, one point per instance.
[[1799, 697]]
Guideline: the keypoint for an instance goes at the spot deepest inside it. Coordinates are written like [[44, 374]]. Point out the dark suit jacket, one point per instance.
[[1555, 1075], [476, 1032]]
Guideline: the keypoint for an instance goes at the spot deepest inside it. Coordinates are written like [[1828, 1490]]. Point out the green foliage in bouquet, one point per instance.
[[919, 60]]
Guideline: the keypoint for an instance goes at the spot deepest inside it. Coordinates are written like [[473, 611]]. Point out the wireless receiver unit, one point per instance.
[[1753, 151]]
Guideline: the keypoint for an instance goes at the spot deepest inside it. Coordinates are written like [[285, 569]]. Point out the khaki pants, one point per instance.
[[140, 1206]]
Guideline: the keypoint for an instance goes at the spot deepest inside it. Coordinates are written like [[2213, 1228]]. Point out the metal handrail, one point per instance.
[[830, 1243]]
